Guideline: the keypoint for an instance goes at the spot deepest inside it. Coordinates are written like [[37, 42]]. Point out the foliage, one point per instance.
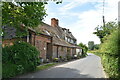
[[84, 48], [109, 48], [30, 14], [61, 58], [20, 57], [111, 44], [96, 46], [102, 31], [110, 64], [27, 13], [91, 45], [42, 67], [109, 52], [56, 59]]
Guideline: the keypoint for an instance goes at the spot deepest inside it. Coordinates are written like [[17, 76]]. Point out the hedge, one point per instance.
[[19, 58], [109, 52]]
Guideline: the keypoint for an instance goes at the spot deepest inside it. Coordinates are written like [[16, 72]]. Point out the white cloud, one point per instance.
[[86, 22]]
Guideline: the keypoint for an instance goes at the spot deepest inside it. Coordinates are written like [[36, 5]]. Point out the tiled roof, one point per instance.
[[56, 32]]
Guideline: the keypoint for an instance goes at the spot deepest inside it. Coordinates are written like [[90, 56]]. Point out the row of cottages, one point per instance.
[[52, 40]]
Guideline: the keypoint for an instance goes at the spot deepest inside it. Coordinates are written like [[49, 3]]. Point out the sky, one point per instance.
[[82, 16]]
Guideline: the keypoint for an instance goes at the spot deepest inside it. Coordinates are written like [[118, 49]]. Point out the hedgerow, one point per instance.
[[19, 58], [110, 55]]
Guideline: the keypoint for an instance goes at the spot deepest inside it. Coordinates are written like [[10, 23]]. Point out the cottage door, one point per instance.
[[49, 51]]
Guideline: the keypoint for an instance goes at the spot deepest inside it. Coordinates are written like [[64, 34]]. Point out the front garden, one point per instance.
[[22, 58]]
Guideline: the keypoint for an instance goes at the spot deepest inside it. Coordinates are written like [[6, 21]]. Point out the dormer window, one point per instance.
[[47, 32], [75, 42], [71, 41], [65, 31], [57, 36], [66, 38]]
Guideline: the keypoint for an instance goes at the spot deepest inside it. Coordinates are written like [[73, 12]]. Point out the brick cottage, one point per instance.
[[52, 40]]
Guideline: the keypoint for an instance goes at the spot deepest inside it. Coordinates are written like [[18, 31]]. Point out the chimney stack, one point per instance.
[[54, 22]]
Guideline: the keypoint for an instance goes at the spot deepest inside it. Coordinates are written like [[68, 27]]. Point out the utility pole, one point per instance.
[[103, 14]]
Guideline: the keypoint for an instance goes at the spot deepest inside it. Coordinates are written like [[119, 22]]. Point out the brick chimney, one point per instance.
[[54, 22]]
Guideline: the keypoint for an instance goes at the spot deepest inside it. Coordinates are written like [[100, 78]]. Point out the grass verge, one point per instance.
[[96, 52], [42, 67]]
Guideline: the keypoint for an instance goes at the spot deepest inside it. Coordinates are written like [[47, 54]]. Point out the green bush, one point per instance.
[[110, 46], [20, 57], [9, 70], [110, 53], [56, 60], [110, 64]]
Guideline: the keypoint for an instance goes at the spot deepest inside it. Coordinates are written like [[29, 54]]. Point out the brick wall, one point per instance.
[[41, 44]]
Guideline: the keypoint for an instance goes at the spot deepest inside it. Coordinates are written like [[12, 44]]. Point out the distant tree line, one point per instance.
[[92, 46]]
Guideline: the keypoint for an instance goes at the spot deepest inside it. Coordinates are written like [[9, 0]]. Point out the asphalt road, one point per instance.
[[89, 67]]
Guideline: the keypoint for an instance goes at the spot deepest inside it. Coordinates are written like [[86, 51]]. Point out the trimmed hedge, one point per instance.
[[109, 53], [19, 58], [110, 64]]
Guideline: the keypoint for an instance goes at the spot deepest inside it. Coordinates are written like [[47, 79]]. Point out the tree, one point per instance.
[[91, 45], [84, 47], [102, 31], [28, 14]]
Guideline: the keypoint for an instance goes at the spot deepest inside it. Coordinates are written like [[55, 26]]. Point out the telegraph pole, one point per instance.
[[103, 14]]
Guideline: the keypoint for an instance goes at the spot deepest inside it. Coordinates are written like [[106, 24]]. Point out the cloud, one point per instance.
[[84, 22], [83, 29]]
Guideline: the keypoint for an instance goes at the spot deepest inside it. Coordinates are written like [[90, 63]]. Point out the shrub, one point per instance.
[[110, 54], [60, 58], [20, 57], [65, 59], [56, 60]]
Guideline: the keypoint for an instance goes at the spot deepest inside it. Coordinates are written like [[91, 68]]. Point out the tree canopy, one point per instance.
[[84, 47], [27, 13], [104, 31], [18, 14], [91, 45]]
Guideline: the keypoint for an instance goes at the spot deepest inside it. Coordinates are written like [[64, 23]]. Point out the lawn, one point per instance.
[[45, 66]]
